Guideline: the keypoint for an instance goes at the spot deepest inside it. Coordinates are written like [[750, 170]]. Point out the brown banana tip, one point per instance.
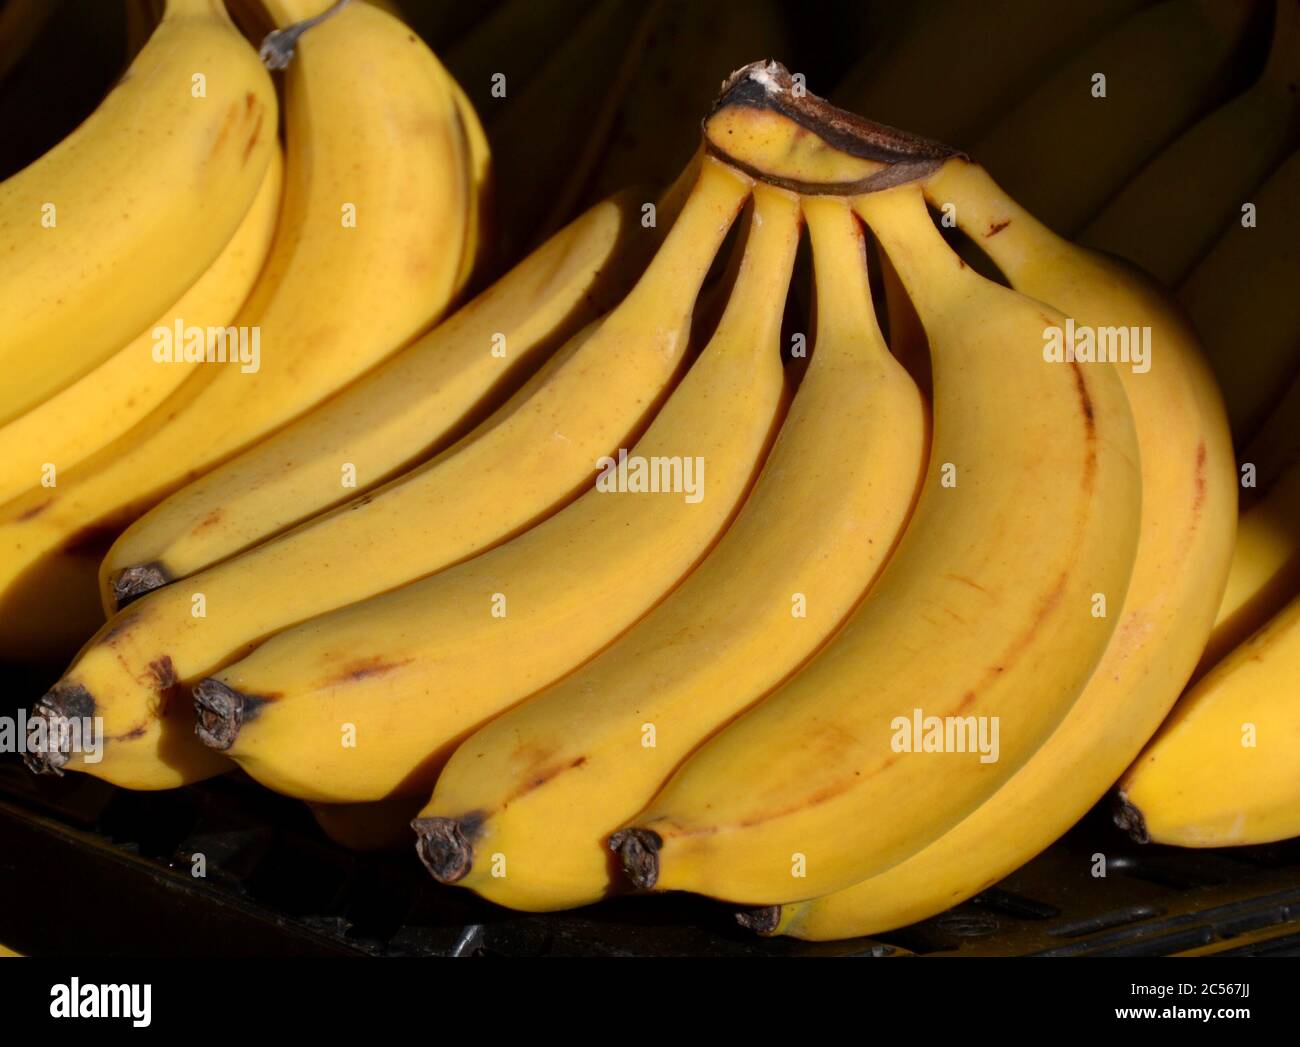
[[445, 847], [48, 748], [220, 712], [1130, 819], [131, 583], [638, 850], [762, 920]]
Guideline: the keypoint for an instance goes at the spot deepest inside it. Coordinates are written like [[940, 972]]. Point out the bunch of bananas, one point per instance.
[[642, 569]]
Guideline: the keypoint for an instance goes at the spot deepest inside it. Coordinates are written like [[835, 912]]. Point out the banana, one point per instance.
[[1222, 770], [413, 671], [182, 142], [1265, 571], [1174, 209], [1254, 350], [521, 465], [544, 784], [1184, 547], [390, 420], [906, 81], [989, 607], [370, 127], [1064, 152], [98, 408]]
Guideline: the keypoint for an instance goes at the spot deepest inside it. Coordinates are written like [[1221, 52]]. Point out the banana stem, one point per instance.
[[931, 271], [1002, 229], [277, 49], [758, 125]]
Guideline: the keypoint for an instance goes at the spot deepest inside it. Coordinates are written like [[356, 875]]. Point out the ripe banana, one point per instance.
[[104, 404], [410, 673], [1184, 546], [1172, 211], [182, 143], [544, 784], [988, 611], [1265, 571], [1255, 352], [1064, 151], [370, 127], [898, 83], [414, 404], [519, 466], [1222, 770]]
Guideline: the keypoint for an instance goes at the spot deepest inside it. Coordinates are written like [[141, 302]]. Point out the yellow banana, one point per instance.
[[1265, 571], [544, 784], [179, 148], [1254, 351], [521, 465], [1065, 150], [413, 671], [391, 419], [102, 405], [1222, 770], [907, 80], [1172, 211], [1188, 513], [334, 298], [987, 617]]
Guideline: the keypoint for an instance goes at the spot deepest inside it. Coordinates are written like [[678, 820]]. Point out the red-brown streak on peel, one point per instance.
[[1199, 501], [212, 518], [363, 669], [252, 140], [996, 227], [972, 584], [35, 511], [541, 778]]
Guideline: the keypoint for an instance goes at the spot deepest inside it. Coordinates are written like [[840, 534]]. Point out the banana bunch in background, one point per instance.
[[788, 509], [374, 213]]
